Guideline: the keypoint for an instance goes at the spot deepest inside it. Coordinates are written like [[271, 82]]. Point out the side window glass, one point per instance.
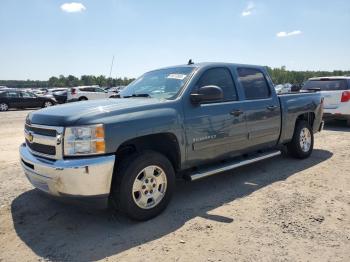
[[222, 78], [25, 95], [12, 94], [99, 90], [254, 83]]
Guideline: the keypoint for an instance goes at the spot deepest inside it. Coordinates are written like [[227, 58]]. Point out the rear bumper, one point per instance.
[[75, 179], [337, 116]]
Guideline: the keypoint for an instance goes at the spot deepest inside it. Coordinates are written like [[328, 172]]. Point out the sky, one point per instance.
[[43, 38]]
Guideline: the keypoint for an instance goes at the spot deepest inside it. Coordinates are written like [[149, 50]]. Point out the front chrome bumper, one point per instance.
[[81, 177]]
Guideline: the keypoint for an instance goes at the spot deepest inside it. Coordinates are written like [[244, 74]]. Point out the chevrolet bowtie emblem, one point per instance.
[[30, 137]]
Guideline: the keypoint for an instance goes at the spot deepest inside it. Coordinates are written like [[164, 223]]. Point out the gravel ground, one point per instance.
[[281, 209]]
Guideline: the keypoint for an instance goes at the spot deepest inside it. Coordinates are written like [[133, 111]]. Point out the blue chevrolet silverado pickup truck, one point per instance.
[[188, 121]]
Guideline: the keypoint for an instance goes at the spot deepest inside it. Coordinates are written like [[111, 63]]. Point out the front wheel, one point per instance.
[[48, 104], [302, 143], [143, 185], [4, 107]]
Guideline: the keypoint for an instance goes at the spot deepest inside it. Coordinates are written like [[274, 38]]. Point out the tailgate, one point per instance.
[[332, 99]]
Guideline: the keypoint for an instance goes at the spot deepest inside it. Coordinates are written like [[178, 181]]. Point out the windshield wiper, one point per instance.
[[137, 95]]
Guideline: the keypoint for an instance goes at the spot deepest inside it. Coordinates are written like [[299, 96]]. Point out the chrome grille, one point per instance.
[[45, 141]]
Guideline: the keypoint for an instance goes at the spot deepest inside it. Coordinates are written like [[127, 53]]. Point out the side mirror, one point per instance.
[[207, 94]]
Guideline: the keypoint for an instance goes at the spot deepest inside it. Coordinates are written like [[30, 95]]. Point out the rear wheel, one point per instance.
[[83, 98], [302, 143], [4, 107], [143, 185]]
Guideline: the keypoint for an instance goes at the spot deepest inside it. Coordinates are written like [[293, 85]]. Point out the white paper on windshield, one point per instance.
[[177, 76]]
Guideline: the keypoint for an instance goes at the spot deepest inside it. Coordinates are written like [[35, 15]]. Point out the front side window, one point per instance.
[[161, 84], [27, 95], [100, 90], [254, 83], [222, 78]]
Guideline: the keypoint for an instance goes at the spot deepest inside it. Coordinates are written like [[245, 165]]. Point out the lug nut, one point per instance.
[[151, 191], [151, 180], [146, 192], [143, 187], [154, 185], [146, 181]]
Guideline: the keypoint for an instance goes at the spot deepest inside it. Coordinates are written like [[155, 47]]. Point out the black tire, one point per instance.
[[122, 186], [83, 98], [4, 107], [294, 147], [47, 104], [348, 122]]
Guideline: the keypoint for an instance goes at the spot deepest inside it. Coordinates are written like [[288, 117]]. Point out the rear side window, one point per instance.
[[12, 94], [222, 78], [254, 83], [326, 84]]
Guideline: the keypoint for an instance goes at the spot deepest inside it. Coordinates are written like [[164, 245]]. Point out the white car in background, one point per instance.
[[283, 88], [82, 93], [336, 93]]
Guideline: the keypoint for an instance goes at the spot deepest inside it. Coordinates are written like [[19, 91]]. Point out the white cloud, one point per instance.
[[249, 9], [246, 13], [73, 7], [286, 34]]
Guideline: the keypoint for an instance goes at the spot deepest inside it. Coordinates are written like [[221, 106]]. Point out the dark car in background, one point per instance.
[[12, 98], [60, 94]]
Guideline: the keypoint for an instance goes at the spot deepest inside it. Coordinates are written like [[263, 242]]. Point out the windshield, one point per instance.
[[162, 84], [326, 84]]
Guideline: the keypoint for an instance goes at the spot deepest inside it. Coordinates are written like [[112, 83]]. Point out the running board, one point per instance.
[[232, 165]]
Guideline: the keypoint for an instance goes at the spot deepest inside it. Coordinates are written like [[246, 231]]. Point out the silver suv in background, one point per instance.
[[336, 93], [82, 93]]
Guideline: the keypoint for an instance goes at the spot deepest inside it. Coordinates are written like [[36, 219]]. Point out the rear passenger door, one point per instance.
[[261, 107], [13, 98]]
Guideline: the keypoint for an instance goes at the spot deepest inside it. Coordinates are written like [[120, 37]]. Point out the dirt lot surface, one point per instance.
[[281, 209]]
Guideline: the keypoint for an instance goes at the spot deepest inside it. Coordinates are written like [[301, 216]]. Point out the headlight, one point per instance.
[[84, 140]]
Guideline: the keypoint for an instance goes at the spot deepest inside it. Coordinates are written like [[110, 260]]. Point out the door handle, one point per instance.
[[271, 108], [236, 112]]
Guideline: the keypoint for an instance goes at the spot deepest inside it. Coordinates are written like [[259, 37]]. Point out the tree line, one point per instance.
[[279, 76], [68, 81], [282, 75]]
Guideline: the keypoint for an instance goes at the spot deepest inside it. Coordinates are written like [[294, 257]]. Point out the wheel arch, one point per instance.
[[83, 98], [308, 117], [165, 143]]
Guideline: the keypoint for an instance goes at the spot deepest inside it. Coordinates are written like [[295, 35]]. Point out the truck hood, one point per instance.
[[89, 111]]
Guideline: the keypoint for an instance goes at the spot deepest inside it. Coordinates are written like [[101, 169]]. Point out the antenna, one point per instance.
[[190, 62], [110, 72]]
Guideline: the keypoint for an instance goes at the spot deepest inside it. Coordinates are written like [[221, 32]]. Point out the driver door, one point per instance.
[[30, 100], [215, 130]]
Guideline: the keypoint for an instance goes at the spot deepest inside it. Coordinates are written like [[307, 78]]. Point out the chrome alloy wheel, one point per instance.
[[305, 140], [47, 104], [4, 107], [149, 187]]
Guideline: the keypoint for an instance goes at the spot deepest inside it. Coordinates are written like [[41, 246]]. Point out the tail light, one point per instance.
[[73, 91], [345, 97]]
